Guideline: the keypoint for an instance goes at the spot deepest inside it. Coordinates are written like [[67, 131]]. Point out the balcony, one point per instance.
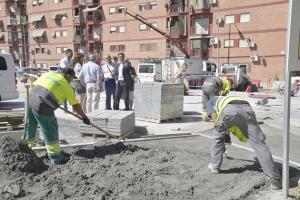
[[77, 3], [175, 10], [78, 21], [94, 18], [79, 39], [175, 32], [12, 41], [94, 38], [92, 2]]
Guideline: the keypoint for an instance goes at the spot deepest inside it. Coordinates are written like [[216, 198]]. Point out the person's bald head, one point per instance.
[[92, 57]]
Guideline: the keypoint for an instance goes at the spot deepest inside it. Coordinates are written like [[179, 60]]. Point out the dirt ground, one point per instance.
[[162, 169]]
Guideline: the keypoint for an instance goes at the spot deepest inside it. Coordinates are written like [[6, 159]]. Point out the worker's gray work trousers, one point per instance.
[[242, 116], [209, 90]]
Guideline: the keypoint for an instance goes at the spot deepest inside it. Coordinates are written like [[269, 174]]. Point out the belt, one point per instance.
[[238, 102], [90, 82], [108, 78]]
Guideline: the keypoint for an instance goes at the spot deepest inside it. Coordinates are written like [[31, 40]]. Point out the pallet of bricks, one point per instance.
[[118, 123], [158, 102], [11, 120]]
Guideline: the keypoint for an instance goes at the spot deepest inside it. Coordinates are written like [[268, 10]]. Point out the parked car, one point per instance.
[[8, 81]]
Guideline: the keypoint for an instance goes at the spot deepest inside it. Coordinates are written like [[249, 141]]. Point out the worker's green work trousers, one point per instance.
[[242, 116], [49, 127]]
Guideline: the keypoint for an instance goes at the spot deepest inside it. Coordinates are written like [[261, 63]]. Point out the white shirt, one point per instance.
[[120, 74], [108, 71], [64, 62], [77, 69]]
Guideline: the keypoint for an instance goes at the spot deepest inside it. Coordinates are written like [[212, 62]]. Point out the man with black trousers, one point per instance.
[[124, 82]]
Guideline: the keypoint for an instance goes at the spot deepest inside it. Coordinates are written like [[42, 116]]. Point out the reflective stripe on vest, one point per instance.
[[53, 149], [219, 107]]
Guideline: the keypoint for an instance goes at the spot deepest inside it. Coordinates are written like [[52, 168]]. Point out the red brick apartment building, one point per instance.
[[246, 32]]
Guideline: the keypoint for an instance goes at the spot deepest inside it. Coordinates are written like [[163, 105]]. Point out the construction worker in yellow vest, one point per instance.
[[235, 115], [215, 86], [50, 91]]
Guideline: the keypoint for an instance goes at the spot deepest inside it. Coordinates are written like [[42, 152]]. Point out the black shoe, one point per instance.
[[276, 184], [61, 162]]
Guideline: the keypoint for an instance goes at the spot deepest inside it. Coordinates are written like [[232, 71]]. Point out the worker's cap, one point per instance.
[[68, 70]]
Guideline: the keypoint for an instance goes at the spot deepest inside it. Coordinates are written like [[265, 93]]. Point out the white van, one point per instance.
[[149, 72], [8, 87]]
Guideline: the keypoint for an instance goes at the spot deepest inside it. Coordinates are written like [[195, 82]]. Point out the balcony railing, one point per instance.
[[79, 2], [12, 41], [175, 9], [94, 18], [78, 20], [92, 2], [175, 31], [93, 37], [198, 30], [79, 38]]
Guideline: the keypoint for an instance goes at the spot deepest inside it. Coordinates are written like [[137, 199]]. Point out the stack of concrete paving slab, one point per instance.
[[158, 101], [116, 122]]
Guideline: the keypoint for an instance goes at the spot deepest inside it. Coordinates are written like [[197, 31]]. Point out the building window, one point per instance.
[[3, 65], [142, 6], [112, 10], [76, 12], [200, 26], [57, 33], [122, 29], [245, 17], [199, 47], [121, 9], [37, 50], [117, 48], [34, 2], [244, 43], [229, 19], [153, 5], [58, 1], [228, 43], [143, 27], [58, 50], [64, 16], [148, 47], [64, 33], [113, 29]]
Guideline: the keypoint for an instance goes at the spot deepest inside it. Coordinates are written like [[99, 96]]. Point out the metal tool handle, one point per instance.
[[77, 116]]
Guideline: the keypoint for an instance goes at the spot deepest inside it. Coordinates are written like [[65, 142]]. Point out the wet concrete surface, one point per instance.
[[161, 169]]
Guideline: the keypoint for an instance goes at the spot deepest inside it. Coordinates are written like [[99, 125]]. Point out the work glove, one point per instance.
[[86, 120], [227, 139]]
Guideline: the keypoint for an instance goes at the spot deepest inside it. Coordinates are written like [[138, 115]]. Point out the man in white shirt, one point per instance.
[[109, 81], [123, 84], [64, 63], [91, 76]]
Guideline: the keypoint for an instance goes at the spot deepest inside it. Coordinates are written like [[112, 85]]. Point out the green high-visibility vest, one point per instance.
[[219, 107]]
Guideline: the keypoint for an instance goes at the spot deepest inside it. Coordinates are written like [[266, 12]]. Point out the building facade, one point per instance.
[[247, 33], [251, 34]]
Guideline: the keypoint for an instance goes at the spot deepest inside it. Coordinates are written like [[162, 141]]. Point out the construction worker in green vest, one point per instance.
[[50, 91], [235, 115], [215, 86]]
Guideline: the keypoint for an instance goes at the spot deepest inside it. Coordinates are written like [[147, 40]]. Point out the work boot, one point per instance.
[[60, 162], [213, 170], [276, 184]]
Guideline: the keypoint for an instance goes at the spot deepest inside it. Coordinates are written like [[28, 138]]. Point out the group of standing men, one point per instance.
[[117, 74]]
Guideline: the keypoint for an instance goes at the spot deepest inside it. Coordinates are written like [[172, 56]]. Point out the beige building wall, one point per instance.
[[266, 28], [133, 37], [62, 40]]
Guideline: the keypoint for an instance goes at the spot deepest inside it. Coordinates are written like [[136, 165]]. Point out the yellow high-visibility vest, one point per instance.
[[219, 107]]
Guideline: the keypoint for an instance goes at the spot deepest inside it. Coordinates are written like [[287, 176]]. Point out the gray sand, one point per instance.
[[125, 171]]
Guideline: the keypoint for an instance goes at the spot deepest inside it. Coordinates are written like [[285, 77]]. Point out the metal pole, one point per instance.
[[26, 111], [218, 47], [287, 103]]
